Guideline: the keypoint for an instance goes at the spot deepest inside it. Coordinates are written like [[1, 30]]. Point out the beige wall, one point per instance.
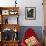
[[44, 4], [44, 12]]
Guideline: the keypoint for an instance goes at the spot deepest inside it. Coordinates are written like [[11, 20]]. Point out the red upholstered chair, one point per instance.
[[29, 34]]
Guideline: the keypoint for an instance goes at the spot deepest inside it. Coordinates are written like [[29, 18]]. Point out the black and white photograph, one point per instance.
[[30, 13]]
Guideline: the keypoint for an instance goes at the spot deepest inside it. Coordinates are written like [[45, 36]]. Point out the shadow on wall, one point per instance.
[[37, 29]]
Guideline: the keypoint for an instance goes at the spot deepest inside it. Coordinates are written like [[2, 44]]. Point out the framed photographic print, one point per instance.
[[5, 12], [13, 20], [0, 36], [30, 13], [0, 19]]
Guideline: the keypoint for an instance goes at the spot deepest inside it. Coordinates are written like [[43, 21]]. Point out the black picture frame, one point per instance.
[[30, 13]]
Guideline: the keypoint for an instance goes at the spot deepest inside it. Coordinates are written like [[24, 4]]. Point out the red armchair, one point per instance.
[[30, 39]]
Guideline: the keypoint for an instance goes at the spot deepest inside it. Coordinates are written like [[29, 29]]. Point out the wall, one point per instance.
[[44, 12], [39, 13], [44, 21], [27, 3]]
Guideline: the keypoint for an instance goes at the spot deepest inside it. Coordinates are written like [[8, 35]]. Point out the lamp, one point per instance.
[[15, 30], [15, 35], [15, 3]]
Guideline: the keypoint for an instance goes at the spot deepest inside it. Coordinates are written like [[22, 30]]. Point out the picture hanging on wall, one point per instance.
[[30, 13]]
